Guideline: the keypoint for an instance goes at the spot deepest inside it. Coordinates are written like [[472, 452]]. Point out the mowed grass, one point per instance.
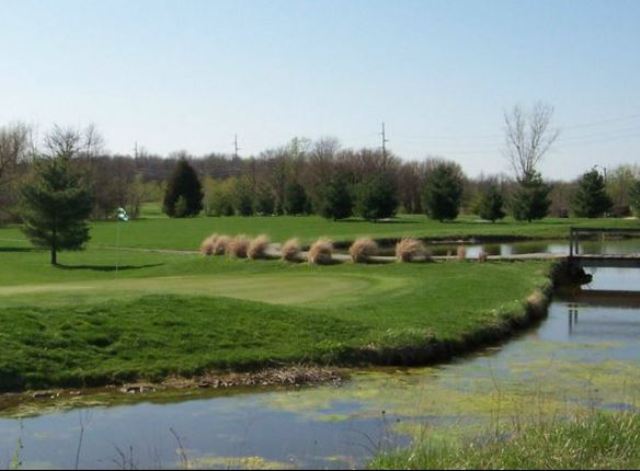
[[157, 232], [165, 313], [596, 441]]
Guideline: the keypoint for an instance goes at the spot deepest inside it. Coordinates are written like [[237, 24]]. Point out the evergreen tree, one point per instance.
[[56, 205], [531, 199], [265, 201], [443, 191], [183, 182], [295, 199], [337, 202], [377, 198], [634, 197], [243, 197], [490, 206], [591, 199]]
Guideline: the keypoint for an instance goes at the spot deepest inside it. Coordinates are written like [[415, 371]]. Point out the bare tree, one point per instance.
[[93, 141], [14, 148], [529, 137], [63, 142]]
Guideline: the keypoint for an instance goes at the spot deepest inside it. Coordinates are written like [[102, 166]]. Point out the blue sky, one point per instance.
[[190, 74]]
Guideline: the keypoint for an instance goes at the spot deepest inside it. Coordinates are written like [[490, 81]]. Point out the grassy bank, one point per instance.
[[597, 441], [186, 234], [175, 314]]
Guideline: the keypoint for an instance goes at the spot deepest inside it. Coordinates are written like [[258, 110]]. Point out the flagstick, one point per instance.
[[117, 245]]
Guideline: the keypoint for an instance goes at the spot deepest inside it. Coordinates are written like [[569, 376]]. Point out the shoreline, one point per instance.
[[534, 309]]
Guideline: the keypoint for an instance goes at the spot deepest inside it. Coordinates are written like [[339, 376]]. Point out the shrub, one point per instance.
[[258, 247], [337, 201], [443, 191], [321, 252], [291, 250], [531, 199], [461, 252], [208, 244], [362, 249], [220, 245], [408, 250], [238, 246], [183, 183], [377, 198], [591, 199], [490, 206]]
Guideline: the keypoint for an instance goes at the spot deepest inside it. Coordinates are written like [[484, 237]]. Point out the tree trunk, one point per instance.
[[54, 256]]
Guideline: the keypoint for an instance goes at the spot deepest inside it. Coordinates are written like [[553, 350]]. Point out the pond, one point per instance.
[[584, 355]]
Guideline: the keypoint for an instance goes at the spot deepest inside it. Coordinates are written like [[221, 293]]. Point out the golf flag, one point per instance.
[[122, 215]]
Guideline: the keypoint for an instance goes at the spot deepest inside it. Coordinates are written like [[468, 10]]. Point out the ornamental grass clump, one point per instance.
[[238, 246], [220, 245], [461, 253], [321, 252], [207, 245], [362, 250], [291, 250], [482, 256], [258, 247], [407, 250]]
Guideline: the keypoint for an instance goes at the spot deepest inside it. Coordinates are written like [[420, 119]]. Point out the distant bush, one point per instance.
[[258, 247], [377, 198], [291, 250], [363, 249], [443, 191], [321, 252], [208, 244], [591, 199], [183, 196], [491, 204], [531, 199], [238, 246], [408, 250], [337, 202]]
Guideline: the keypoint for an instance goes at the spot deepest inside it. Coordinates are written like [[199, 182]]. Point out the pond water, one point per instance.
[[559, 247], [584, 355]]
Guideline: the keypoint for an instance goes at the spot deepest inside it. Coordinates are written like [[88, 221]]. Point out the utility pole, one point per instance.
[[235, 146], [384, 143], [135, 150]]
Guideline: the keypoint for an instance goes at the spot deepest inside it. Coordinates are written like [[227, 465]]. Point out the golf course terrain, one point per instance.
[[168, 311]]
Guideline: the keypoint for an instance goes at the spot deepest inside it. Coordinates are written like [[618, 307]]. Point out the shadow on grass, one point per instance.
[[380, 221], [17, 249], [107, 268]]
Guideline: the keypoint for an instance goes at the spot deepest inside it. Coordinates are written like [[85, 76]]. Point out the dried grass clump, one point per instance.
[[220, 245], [362, 249], [482, 256], [207, 245], [407, 250], [321, 252], [238, 246], [291, 250], [258, 247], [461, 253]]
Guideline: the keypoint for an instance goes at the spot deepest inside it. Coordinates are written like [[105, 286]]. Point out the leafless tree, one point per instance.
[[529, 136], [63, 142], [93, 141], [14, 149]]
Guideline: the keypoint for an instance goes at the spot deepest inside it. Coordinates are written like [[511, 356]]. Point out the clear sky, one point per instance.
[[190, 74]]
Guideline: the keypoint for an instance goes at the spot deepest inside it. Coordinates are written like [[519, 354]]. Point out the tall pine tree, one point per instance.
[[337, 202], [531, 199], [443, 191], [591, 199], [184, 183], [55, 207], [377, 198], [490, 206]]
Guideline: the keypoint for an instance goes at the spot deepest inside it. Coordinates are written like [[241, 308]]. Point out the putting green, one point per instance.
[[275, 289]]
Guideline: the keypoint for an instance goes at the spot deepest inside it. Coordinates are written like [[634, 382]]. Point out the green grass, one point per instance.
[[156, 232], [597, 441], [183, 314]]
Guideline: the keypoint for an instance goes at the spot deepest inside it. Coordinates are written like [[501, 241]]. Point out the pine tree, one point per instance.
[[443, 191], [295, 199], [591, 199], [337, 202], [490, 206], [243, 197], [377, 198], [265, 201], [55, 207], [531, 199], [183, 182]]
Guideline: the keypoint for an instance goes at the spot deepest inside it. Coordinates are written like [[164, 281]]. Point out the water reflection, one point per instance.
[[584, 355]]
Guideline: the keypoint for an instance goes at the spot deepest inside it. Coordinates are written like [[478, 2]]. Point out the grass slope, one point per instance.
[[176, 314], [598, 441]]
